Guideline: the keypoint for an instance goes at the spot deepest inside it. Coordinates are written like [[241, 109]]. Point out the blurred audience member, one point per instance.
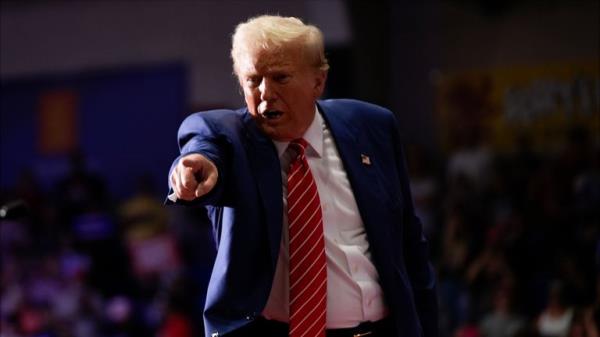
[[501, 321], [555, 320], [143, 216], [181, 309], [471, 161], [584, 323]]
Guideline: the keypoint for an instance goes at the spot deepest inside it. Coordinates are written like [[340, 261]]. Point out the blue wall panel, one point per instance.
[[127, 124]]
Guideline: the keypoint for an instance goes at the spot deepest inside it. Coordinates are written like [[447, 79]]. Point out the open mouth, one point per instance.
[[272, 114]]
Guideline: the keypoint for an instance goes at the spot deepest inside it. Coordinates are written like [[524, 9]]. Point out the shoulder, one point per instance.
[[213, 121], [215, 117], [355, 110]]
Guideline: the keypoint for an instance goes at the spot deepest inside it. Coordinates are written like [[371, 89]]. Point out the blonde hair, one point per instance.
[[271, 33]]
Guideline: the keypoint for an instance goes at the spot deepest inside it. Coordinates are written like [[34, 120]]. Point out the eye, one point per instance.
[[281, 78], [253, 81]]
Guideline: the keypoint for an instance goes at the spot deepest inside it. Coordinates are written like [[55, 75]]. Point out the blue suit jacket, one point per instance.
[[246, 211]]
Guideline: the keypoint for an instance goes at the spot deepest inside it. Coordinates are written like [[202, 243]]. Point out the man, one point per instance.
[[309, 201]]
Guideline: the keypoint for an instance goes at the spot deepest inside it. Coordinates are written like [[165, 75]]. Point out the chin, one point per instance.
[[278, 136], [269, 131]]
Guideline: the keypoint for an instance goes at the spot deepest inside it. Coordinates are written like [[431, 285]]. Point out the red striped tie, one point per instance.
[[308, 266]]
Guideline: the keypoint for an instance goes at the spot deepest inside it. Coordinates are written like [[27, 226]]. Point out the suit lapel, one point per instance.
[[265, 165]]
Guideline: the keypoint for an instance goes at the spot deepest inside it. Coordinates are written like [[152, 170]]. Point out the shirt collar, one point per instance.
[[313, 136]]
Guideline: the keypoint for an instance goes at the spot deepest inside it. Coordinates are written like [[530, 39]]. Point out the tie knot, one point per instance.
[[299, 145]]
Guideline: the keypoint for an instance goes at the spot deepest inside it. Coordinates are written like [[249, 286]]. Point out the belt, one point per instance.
[[264, 327], [381, 328]]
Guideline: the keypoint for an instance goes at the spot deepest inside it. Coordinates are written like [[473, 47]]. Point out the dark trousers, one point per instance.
[[262, 327]]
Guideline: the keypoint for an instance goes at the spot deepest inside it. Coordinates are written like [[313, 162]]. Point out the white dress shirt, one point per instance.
[[353, 291]]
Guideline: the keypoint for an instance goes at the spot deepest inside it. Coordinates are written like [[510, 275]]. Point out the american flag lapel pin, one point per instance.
[[365, 159]]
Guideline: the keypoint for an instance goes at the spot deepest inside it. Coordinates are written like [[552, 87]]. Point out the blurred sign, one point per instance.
[[154, 255], [502, 104], [57, 121]]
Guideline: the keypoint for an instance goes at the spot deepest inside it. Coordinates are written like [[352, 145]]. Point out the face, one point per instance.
[[280, 89]]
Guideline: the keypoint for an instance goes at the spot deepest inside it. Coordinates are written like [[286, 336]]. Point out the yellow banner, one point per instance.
[[500, 105]]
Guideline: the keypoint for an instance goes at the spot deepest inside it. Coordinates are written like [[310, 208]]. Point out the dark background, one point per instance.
[[92, 94]]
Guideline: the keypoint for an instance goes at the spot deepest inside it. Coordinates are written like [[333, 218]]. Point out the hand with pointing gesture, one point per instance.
[[193, 176]]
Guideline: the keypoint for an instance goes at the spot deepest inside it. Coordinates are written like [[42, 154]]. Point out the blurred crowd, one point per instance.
[[514, 238], [77, 262]]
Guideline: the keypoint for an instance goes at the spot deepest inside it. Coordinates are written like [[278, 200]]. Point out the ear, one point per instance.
[[319, 84], [241, 88]]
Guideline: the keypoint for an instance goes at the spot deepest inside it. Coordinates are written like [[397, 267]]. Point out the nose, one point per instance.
[[267, 91]]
